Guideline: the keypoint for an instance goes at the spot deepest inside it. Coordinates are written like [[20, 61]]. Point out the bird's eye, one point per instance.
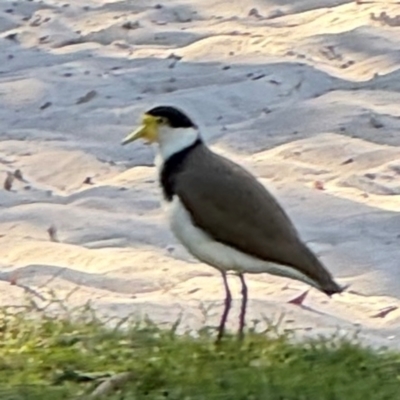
[[161, 120]]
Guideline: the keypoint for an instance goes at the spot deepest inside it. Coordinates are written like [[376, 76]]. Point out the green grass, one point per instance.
[[49, 358]]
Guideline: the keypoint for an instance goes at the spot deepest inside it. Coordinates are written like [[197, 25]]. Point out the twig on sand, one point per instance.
[[12, 280], [53, 277], [113, 383], [31, 291], [383, 313], [11, 176], [18, 175]]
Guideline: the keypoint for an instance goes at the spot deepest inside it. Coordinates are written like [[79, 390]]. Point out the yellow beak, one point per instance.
[[147, 131], [136, 134]]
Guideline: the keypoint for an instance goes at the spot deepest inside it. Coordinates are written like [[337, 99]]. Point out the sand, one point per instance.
[[304, 94]]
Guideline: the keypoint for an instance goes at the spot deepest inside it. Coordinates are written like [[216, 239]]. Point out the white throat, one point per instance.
[[173, 140]]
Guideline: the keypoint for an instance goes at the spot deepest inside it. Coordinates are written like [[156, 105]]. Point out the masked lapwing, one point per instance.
[[221, 214]]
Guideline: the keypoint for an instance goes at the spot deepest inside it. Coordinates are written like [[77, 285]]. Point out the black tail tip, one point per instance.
[[336, 289]]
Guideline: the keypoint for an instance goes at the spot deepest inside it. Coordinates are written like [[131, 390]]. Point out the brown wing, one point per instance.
[[235, 209]]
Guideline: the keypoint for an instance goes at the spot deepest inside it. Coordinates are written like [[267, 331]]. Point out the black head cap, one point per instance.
[[175, 117]]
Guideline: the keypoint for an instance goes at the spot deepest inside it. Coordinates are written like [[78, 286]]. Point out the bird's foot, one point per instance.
[[298, 301]]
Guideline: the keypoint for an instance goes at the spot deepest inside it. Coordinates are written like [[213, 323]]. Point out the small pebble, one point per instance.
[[375, 122], [52, 231], [131, 25], [88, 181], [8, 181], [11, 36], [319, 185], [254, 13], [45, 105]]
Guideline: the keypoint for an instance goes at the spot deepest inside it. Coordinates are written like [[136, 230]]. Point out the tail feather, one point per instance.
[[335, 288], [320, 274]]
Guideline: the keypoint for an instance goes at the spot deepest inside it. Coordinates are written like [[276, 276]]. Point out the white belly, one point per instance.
[[216, 254]]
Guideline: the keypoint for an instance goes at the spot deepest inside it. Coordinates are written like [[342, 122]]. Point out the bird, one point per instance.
[[222, 214]]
